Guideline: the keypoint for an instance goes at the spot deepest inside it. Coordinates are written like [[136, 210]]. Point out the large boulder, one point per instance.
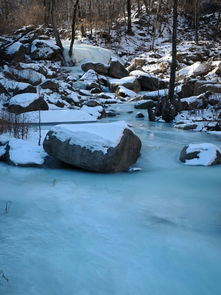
[[196, 69], [26, 102], [144, 104], [148, 82], [99, 68], [22, 153], [117, 70], [99, 147], [129, 82], [44, 50], [204, 86], [15, 52], [27, 76], [204, 154]]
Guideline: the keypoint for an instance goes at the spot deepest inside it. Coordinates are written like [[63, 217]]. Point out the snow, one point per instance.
[[96, 136], [194, 70], [11, 85], [25, 153], [206, 156], [90, 76], [83, 53], [24, 99], [60, 116], [47, 47], [14, 48], [93, 111], [126, 92]]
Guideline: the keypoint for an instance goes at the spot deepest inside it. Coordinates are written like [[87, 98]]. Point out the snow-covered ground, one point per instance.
[[156, 231]]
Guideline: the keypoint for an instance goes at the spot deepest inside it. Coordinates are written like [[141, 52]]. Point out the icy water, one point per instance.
[[157, 231]]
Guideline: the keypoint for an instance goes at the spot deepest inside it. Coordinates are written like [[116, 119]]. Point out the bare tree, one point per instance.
[[73, 27], [170, 104]]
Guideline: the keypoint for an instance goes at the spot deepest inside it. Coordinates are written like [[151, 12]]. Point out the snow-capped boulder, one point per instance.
[[99, 68], [204, 154], [125, 92], [96, 112], [196, 69], [90, 79], [26, 102], [50, 84], [100, 147], [144, 104], [27, 76], [117, 70], [204, 86], [16, 52], [148, 81], [44, 50], [20, 152], [128, 82], [15, 87]]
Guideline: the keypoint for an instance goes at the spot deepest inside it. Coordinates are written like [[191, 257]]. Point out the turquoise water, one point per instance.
[[155, 232]]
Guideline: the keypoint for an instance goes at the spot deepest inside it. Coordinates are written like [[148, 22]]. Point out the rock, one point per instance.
[[196, 69], [15, 52], [107, 147], [44, 50], [204, 154], [23, 153], [95, 90], [191, 103], [188, 88], [144, 104], [99, 68], [204, 86], [27, 76], [26, 102], [117, 70], [15, 87], [136, 64], [128, 82], [139, 115], [186, 126], [149, 82], [125, 92], [49, 84]]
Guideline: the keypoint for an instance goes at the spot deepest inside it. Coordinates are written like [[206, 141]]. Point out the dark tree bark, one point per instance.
[[129, 25], [196, 21], [51, 4], [73, 27], [170, 104]]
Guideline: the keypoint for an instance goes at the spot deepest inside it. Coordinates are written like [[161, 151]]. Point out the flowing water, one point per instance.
[[155, 232]]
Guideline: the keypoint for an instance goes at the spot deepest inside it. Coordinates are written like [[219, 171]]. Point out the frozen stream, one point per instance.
[[154, 232]]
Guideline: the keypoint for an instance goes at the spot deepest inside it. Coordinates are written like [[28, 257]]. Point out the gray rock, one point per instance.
[[117, 70], [49, 84], [205, 154], [144, 104], [37, 104], [127, 82], [149, 82], [41, 50], [99, 68], [139, 116], [69, 146]]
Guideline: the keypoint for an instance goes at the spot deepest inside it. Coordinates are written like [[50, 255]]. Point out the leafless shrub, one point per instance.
[[15, 125]]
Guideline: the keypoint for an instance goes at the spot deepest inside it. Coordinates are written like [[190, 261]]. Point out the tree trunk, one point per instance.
[[53, 22], [129, 25], [73, 27], [170, 106], [196, 21], [174, 53]]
